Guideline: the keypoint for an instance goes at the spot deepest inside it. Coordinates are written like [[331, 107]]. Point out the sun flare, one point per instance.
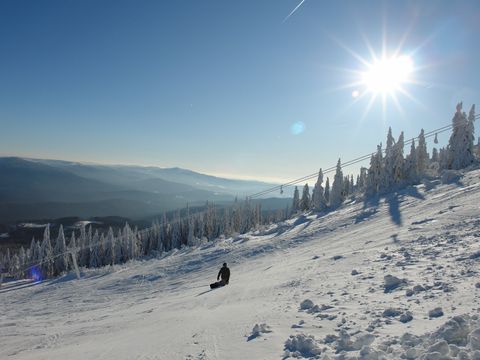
[[387, 75]]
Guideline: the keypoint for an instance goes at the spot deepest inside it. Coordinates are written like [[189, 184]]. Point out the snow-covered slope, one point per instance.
[[314, 286]]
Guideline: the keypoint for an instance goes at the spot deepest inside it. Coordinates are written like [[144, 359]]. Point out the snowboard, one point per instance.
[[216, 285]]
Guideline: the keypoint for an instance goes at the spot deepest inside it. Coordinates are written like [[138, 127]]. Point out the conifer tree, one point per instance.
[[389, 160], [319, 201], [398, 161], [94, 251], [60, 253], [296, 200], [421, 155], [411, 167], [435, 156], [327, 191], [305, 201], [47, 253], [471, 131], [460, 153], [73, 250], [336, 196]]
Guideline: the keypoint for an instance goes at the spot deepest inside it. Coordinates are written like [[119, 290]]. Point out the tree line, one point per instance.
[[389, 169]]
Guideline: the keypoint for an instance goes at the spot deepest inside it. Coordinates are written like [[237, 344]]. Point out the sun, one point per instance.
[[386, 76]]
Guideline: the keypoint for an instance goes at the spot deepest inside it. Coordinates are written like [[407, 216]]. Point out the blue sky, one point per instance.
[[224, 87]]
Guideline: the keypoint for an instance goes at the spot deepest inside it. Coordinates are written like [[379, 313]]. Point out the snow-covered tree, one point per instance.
[[376, 173], [296, 200], [336, 195], [362, 179], [94, 257], [398, 174], [471, 130], [460, 145], [73, 250], [422, 155], [305, 201], [318, 198], [84, 245], [389, 160], [60, 253], [411, 168], [46, 253], [435, 156], [327, 191], [22, 261], [110, 248]]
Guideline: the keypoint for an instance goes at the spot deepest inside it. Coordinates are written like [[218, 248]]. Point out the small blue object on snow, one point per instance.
[[297, 128]]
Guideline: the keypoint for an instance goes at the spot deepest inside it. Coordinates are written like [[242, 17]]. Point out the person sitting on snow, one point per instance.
[[224, 273]]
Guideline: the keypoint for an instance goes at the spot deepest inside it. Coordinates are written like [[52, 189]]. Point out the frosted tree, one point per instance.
[[305, 201], [109, 248], [118, 248], [389, 160], [362, 179], [296, 200], [460, 145], [346, 187], [190, 236], [60, 253], [376, 174], [47, 253], [336, 196], [443, 158], [319, 201], [37, 253], [84, 245], [22, 260], [94, 257], [73, 250], [398, 164], [175, 235], [422, 155], [471, 131], [411, 168], [14, 266], [435, 156], [327, 191]]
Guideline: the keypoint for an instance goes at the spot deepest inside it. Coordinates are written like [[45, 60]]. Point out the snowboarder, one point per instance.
[[224, 274]]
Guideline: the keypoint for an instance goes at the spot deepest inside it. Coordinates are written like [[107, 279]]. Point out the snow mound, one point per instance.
[[458, 338], [301, 345]]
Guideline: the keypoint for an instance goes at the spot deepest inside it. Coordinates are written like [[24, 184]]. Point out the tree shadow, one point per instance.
[[393, 199], [5, 289], [394, 209]]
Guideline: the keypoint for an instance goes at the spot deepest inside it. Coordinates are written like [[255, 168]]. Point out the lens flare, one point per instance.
[[297, 128], [36, 274]]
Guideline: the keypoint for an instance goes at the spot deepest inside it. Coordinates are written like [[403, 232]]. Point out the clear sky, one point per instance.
[[226, 87]]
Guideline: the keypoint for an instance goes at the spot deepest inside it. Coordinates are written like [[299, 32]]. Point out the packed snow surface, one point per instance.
[[396, 277]]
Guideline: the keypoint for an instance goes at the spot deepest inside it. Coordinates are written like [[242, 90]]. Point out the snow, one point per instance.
[[31, 225], [426, 237], [85, 223]]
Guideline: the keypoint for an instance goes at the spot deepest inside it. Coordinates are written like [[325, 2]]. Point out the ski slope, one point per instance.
[[314, 286]]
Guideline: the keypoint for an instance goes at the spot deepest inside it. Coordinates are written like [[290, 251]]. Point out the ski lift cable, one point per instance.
[[346, 164]]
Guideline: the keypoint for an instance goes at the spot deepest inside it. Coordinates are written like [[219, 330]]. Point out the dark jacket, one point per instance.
[[225, 274]]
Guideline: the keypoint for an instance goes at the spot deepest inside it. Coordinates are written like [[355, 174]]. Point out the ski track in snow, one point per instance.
[[162, 308]]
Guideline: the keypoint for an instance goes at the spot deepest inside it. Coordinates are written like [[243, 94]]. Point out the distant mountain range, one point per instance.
[[36, 189]]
